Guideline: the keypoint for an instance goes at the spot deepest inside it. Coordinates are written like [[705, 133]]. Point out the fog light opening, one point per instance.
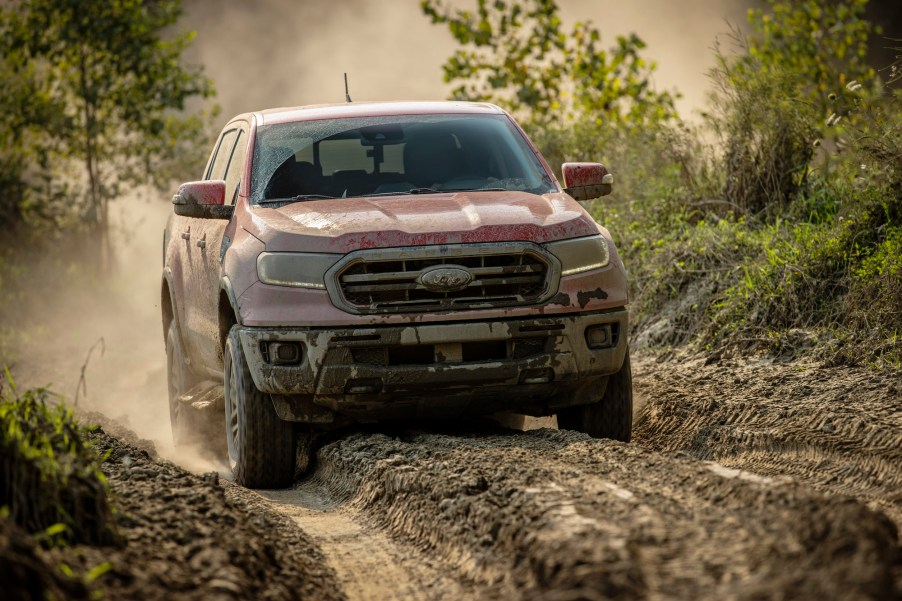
[[537, 376], [599, 337], [284, 353]]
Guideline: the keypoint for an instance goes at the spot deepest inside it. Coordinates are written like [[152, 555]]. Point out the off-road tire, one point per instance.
[[261, 446], [611, 416], [179, 380]]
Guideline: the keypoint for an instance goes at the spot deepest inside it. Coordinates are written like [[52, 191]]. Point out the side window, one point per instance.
[[223, 153], [236, 168]]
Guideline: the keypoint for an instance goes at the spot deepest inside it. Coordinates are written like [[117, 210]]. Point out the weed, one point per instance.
[[50, 480]]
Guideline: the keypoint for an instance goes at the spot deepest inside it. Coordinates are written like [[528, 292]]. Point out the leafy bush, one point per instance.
[[50, 480], [782, 236]]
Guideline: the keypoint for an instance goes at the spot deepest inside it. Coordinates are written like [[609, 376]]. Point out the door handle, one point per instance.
[[186, 235], [202, 244]]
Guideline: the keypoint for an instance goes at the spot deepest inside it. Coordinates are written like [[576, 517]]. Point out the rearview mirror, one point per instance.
[[204, 199], [585, 181]]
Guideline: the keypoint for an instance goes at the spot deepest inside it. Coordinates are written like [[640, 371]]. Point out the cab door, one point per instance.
[[204, 260]]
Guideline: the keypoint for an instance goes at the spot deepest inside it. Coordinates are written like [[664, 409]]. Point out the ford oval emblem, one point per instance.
[[445, 279]]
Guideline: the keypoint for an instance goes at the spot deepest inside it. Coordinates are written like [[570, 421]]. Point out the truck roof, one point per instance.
[[371, 109]]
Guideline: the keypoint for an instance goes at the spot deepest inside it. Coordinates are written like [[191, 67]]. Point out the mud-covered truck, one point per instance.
[[380, 261]]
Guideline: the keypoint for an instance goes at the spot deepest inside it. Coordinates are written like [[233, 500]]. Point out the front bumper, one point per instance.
[[533, 365]]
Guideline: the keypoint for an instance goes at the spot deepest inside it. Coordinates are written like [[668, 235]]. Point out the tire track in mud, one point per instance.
[[838, 430], [367, 563], [556, 515]]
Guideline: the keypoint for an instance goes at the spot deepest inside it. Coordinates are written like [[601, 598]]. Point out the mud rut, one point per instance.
[[808, 467]]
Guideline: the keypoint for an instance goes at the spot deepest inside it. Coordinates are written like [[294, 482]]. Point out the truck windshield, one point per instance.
[[407, 154]]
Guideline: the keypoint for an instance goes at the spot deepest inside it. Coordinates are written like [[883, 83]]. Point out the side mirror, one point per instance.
[[585, 181], [204, 199]]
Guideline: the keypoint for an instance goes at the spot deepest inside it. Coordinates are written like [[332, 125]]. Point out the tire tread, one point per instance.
[[266, 455], [609, 417]]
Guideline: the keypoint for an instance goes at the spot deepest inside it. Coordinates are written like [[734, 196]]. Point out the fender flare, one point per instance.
[[225, 285], [176, 316]]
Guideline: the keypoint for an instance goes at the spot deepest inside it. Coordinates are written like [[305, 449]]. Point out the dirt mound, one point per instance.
[[555, 515], [27, 574], [190, 537], [836, 429]]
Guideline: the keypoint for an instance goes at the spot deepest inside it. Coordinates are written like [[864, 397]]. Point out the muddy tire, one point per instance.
[[261, 446], [179, 380], [611, 416]]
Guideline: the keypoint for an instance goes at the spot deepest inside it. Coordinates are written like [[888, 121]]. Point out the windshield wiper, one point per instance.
[[297, 198], [475, 190], [442, 191]]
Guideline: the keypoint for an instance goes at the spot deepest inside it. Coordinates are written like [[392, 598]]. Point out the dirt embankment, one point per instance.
[[193, 536]]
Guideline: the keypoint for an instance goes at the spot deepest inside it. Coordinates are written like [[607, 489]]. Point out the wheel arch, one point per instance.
[[168, 307], [228, 312]]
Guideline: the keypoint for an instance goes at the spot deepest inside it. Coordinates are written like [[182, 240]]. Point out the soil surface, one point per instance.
[[745, 480], [188, 536], [835, 429]]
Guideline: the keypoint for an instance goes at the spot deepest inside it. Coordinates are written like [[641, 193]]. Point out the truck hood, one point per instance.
[[347, 224]]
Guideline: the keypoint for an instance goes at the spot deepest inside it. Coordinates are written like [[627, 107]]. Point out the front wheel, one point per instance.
[[261, 446], [179, 380], [609, 417]]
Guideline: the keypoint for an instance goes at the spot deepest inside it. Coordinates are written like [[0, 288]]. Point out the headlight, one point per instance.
[[302, 270], [580, 254]]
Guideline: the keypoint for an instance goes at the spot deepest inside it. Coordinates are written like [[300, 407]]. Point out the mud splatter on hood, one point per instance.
[[341, 225]]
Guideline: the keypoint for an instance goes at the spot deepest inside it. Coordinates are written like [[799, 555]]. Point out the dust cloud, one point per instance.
[[273, 53], [98, 341]]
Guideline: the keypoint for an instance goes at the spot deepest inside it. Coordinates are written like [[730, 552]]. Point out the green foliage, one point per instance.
[[784, 236], [517, 54], [658, 161], [50, 480], [93, 83], [772, 98], [823, 43]]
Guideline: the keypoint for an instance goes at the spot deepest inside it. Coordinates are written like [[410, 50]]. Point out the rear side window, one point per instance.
[[223, 154], [236, 168]]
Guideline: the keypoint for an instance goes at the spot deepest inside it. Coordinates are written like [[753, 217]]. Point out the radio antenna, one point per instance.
[[347, 95]]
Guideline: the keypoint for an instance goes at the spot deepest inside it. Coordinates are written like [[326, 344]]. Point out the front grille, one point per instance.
[[389, 280]]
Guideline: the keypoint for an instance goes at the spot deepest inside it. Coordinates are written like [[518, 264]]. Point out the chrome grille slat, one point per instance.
[[388, 280], [407, 275]]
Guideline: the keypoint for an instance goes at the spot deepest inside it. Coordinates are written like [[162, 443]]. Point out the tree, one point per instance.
[[112, 86], [516, 54]]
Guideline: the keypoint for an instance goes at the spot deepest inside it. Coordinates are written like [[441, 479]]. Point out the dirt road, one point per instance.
[[809, 466], [744, 481]]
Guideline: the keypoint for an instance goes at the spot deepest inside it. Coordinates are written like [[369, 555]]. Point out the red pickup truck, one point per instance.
[[378, 261]]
